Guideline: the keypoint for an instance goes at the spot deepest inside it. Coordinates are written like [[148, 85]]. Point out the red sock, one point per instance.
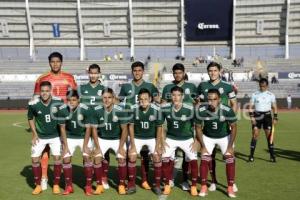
[[230, 169], [88, 172], [172, 163], [67, 168], [157, 173], [105, 165], [131, 174], [57, 172], [204, 169], [98, 173], [194, 171], [167, 169], [122, 172], [185, 170], [37, 173]]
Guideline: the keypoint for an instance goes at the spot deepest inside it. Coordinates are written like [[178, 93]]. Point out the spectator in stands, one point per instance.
[[274, 80], [289, 101]]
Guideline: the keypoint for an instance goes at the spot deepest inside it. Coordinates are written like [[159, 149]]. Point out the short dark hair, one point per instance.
[[73, 93], [178, 66], [137, 64], [214, 64], [214, 91], [177, 88], [108, 90], [145, 91], [94, 66], [45, 83], [55, 55], [264, 80]]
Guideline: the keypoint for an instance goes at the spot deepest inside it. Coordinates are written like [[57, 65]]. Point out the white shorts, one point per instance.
[[73, 143], [182, 144], [38, 148], [150, 143], [210, 143], [105, 145]]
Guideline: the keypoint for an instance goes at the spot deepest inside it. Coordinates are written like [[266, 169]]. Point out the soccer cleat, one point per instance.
[[171, 183], [272, 159], [56, 189], [122, 189], [167, 190], [203, 192], [230, 192], [194, 191], [146, 185], [44, 183], [185, 186], [99, 190], [105, 184], [88, 190], [212, 187], [37, 190], [235, 188], [251, 159], [131, 190], [157, 190], [68, 190]]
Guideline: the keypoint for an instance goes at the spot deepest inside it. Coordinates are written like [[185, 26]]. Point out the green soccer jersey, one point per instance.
[[45, 117], [76, 120], [189, 89], [224, 88], [215, 125], [109, 123], [90, 95], [129, 92], [179, 123], [145, 122]]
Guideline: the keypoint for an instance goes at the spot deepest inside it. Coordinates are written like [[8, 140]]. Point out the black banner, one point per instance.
[[208, 20]]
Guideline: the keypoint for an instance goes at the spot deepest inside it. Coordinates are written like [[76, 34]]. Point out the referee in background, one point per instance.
[[262, 105]]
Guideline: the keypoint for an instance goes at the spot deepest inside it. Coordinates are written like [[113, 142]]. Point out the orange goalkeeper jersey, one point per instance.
[[60, 83]]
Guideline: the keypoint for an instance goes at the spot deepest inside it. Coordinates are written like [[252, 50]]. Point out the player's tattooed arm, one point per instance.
[[233, 128], [35, 137], [63, 138]]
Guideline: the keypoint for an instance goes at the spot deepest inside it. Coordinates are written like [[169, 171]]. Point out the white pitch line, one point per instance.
[[18, 124]]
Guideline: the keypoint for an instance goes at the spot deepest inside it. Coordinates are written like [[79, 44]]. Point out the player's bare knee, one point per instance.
[[86, 159], [35, 159], [97, 160], [67, 160], [121, 161], [56, 158], [132, 158], [156, 158]]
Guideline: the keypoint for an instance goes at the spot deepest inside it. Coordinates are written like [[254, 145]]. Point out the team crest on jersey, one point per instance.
[[183, 118], [221, 90], [54, 110], [152, 118], [80, 117], [99, 92], [222, 118], [187, 91], [115, 119]]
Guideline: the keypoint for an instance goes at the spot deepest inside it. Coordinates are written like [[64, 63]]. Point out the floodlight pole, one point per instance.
[[182, 28], [131, 29], [233, 42], [287, 51], [29, 25], [82, 49]]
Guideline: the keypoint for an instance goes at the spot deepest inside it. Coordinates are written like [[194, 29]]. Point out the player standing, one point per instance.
[[145, 129], [111, 121], [180, 134], [190, 93], [228, 97], [75, 123], [42, 118], [262, 103], [129, 96], [61, 82], [216, 125]]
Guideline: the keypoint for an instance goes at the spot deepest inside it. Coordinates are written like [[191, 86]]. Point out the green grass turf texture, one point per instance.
[[258, 180]]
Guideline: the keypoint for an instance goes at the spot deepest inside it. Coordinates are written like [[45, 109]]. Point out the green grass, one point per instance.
[[258, 180]]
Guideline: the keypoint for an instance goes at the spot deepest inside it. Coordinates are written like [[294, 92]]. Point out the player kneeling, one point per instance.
[[111, 121], [42, 118], [180, 122], [74, 122], [216, 125], [145, 129]]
